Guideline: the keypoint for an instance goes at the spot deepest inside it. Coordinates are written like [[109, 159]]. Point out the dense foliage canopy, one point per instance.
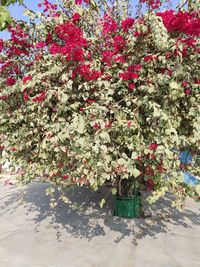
[[94, 91]]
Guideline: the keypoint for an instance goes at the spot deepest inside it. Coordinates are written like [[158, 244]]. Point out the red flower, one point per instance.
[[76, 17], [160, 168], [119, 43], [10, 81], [54, 109], [128, 75], [78, 2], [26, 97], [106, 78], [40, 45], [107, 57], [187, 91], [139, 158], [65, 176], [14, 149], [1, 45], [27, 78], [148, 58], [134, 67], [127, 24], [56, 15], [96, 126], [109, 25], [181, 22], [154, 4], [149, 171], [120, 59], [90, 101], [60, 165], [150, 184], [153, 146], [108, 124], [131, 86], [40, 98], [184, 84]]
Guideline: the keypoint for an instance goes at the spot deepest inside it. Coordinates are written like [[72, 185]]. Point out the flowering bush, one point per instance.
[[90, 94]]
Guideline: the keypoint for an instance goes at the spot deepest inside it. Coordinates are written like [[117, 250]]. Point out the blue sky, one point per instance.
[[17, 11]]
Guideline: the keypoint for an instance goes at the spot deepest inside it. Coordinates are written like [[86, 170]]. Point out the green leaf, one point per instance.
[[5, 18], [136, 172], [102, 202], [81, 126], [198, 189], [114, 191], [9, 2]]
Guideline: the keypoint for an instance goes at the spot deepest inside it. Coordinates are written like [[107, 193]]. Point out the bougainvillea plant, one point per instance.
[[90, 93]]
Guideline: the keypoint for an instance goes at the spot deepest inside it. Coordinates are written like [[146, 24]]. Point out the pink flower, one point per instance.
[[129, 123], [10, 81], [107, 57], [56, 15], [27, 78], [150, 184], [153, 146], [76, 17], [65, 177], [120, 59], [109, 25], [148, 58], [108, 124], [1, 45], [131, 86], [184, 84], [54, 109], [127, 24], [134, 67], [96, 126], [26, 97], [90, 101], [128, 75], [40, 98], [181, 22], [119, 43], [78, 2], [187, 91], [106, 78], [40, 45]]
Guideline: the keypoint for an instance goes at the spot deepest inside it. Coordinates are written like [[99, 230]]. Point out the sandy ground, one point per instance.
[[82, 235]]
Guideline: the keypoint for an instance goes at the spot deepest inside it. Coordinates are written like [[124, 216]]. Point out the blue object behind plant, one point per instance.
[[190, 179], [185, 157]]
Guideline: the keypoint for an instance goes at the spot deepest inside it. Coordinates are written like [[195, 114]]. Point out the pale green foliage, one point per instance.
[[5, 18], [156, 111]]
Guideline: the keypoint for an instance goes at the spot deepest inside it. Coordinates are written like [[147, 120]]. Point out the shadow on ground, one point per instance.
[[85, 219]]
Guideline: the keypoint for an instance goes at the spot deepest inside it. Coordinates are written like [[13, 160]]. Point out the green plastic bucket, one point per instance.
[[128, 207]]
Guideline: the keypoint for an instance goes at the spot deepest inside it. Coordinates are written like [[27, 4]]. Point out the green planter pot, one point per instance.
[[128, 207]]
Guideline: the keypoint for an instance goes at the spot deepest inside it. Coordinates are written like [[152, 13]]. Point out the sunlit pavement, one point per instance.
[[82, 234]]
